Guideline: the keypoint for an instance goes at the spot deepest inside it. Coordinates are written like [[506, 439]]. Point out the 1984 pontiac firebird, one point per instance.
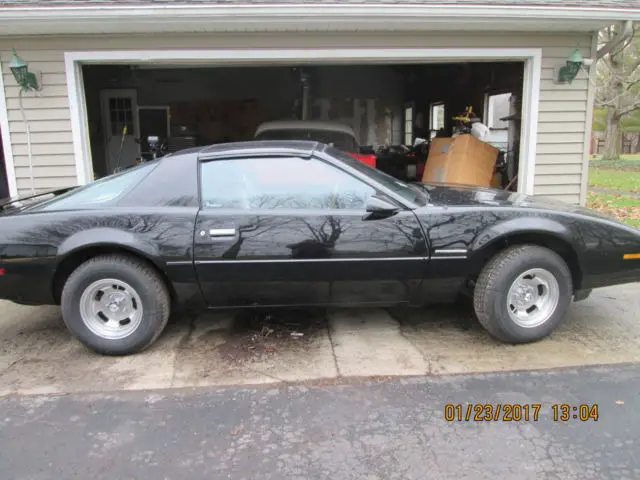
[[275, 224]]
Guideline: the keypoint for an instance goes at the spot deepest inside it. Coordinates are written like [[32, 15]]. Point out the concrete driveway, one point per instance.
[[38, 356]]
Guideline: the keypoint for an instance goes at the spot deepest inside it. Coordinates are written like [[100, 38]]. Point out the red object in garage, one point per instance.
[[367, 159]]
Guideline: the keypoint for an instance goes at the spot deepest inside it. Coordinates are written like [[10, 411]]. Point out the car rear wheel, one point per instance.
[[523, 293], [115, 305]]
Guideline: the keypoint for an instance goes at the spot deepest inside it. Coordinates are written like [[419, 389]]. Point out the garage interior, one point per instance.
[[387, 106]]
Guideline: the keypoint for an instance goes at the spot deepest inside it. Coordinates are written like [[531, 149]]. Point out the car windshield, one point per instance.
[[343, 141], [413, 193], [99, 192]]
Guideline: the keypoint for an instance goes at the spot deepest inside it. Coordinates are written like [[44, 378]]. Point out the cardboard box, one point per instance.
[[462, 160], [496, 182]]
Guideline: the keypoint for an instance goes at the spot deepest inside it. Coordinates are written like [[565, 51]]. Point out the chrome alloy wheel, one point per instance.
[[533, 297], [111, 309]]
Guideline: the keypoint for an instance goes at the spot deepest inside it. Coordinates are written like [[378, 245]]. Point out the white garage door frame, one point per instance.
[[6, 140], [532, 58]]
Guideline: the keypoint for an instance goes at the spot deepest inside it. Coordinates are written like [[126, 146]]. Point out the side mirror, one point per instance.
[[379, 207]]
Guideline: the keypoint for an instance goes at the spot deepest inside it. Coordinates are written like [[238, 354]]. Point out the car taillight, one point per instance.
[[367, 159]]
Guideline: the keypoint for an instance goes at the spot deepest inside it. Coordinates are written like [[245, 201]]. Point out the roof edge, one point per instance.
[[291, 10], [178, 18]]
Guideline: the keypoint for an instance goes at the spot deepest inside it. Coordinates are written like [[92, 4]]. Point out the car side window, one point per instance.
[[280, 183]]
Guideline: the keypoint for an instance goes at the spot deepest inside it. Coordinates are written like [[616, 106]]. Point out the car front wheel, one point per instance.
[[115, 305], [523, 293]]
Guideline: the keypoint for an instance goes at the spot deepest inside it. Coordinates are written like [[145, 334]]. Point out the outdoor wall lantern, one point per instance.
[[574, 63], [27, 81], [20, 69]]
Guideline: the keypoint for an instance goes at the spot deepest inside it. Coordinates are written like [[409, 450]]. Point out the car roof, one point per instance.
[[302, 148], [305, 124]]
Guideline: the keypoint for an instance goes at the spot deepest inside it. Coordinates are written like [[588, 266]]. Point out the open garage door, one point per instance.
[[396, 117]]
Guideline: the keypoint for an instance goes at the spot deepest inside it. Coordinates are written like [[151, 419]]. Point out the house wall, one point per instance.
[[562, 129]]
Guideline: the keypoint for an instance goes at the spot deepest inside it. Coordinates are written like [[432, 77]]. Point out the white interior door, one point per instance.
[[120, 109]]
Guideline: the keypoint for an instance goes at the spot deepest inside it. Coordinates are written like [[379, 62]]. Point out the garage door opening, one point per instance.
[[391, 113]]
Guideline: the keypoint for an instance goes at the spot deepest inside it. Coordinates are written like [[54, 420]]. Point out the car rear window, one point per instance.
[[104, 191], [339, 140]]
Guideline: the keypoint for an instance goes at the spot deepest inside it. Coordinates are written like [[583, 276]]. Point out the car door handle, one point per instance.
[[222, 232]]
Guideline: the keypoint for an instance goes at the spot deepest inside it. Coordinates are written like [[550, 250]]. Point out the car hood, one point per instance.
[[471, 196]]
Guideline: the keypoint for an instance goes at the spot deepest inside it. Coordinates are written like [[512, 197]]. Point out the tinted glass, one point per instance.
[[413, 194], [105, 190], [278, 183], [339, 140]]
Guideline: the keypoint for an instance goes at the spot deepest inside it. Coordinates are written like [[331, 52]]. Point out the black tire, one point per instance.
[[495, 280], [148, 285]]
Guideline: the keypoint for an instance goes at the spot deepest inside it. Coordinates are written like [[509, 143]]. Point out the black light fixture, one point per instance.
[[20, 69]]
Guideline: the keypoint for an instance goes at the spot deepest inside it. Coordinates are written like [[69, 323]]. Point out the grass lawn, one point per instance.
[[624, 163], [633, 158], [623, 180], [621, 175], [625, 208]]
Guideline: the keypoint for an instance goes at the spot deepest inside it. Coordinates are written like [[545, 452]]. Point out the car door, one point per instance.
[[294, 231]]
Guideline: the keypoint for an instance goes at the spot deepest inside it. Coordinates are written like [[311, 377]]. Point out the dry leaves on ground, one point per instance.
[[618, 206]]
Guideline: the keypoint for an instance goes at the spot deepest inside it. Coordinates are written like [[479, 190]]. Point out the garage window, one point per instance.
[[497, 107], [436, 118], [280, 183], [121, 115], [408, 124]]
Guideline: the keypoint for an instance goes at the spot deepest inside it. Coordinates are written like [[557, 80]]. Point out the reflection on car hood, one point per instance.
[[471, 196]]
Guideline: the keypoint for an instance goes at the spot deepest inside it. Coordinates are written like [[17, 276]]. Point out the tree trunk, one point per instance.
[[612, 136], [637, 137]]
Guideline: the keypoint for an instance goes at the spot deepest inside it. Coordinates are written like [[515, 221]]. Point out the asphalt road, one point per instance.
[[374, 429]]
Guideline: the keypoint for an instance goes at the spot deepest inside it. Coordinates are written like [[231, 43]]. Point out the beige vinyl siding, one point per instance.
[[44, 149], [48, 114], [556, 149], [559, 168], [562, 118], [552, 117], [559, 158], [561, 127]]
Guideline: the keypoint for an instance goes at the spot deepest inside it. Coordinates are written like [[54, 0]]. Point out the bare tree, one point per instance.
[[618, 89]]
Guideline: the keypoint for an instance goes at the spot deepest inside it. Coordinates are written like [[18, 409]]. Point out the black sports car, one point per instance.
[[269, 224]]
